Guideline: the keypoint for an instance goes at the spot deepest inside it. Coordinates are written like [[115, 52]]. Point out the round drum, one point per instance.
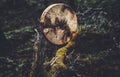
[[59, 23]]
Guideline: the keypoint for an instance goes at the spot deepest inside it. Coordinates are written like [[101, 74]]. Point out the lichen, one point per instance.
[[57, 62]]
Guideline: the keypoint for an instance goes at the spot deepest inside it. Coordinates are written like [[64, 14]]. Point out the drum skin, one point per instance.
[[59, 23]]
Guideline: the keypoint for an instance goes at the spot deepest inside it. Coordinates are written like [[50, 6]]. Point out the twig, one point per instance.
[[36, 49]]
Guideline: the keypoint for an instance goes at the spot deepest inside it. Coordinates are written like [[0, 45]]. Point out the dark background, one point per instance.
[[96, 53]]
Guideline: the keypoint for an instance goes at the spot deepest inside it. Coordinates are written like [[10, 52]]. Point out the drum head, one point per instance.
[[59, 23]]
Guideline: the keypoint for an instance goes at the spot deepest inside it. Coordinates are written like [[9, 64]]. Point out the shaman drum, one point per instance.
[[59, 23]]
